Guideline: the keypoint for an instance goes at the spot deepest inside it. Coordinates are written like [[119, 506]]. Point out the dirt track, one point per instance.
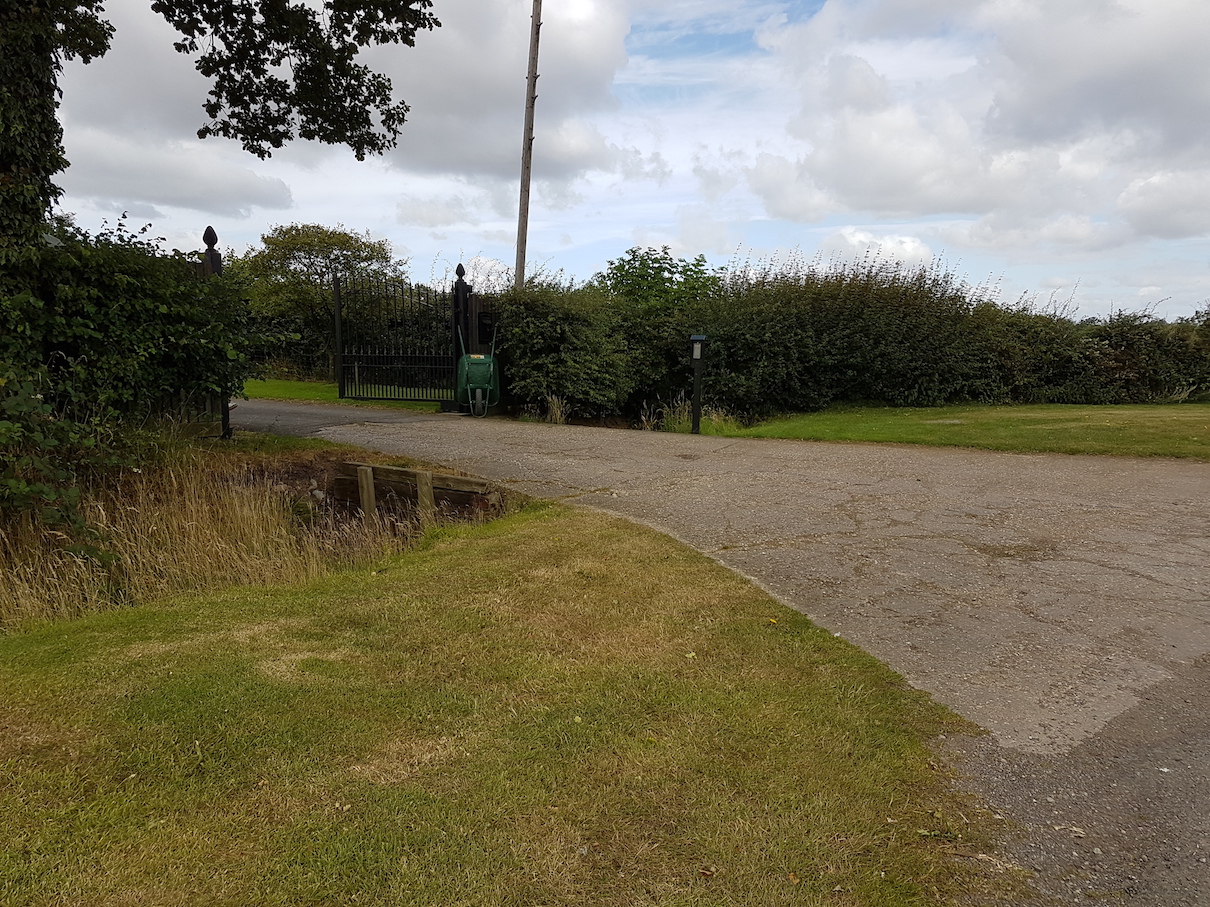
[[1060, 602]]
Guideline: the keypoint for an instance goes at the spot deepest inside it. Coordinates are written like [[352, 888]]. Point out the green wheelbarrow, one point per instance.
[[478, 380]]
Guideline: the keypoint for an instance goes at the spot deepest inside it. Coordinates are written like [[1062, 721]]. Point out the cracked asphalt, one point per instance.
[[1060, 602]]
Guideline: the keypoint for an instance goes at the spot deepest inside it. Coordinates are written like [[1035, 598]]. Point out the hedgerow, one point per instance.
[[95, 330], [801, 336], [567, 345]]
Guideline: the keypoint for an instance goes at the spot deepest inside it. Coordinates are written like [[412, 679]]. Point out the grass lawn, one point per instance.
[[610, 719], [1172, 430], [322, 392]]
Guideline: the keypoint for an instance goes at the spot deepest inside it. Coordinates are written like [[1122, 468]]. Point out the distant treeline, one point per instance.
[[801, 336]]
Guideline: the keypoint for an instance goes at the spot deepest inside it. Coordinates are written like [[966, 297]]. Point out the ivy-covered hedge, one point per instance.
[[94, 329], [803, 336]]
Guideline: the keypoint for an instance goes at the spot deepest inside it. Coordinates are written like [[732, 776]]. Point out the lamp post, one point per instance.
[[697, 345]]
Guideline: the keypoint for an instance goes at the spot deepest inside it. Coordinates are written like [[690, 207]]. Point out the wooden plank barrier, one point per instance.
[[367, 486]]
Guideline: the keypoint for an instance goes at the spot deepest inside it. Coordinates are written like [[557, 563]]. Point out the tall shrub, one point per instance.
[[93, 329], [566, 344], [657, 300], [801, 335]]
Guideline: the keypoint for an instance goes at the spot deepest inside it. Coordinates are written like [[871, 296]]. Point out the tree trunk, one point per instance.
[[31, 139]]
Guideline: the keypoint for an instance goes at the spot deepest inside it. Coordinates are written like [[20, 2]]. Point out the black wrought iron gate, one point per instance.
[[398, 341]]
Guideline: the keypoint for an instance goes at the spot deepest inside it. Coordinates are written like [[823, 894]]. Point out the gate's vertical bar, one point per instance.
[[340, 349]]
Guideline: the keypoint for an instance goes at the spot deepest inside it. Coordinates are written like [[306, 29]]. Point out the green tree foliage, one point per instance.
[[608, 346], [95, 327], [565, 343], [288, 281], [279, 69], [282, 69], [35, 37], [647, 280], [657, 298]]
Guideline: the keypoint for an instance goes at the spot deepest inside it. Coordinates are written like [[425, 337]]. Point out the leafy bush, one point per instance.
[[37, 449], [565, 343], [656, 299], [95, 329], [799, 336], [288, 282], [119, 327]]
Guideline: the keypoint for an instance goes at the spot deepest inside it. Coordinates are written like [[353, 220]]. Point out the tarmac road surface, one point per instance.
[[1061, 602]]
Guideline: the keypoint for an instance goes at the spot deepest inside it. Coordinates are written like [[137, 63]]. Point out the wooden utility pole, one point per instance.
[[527, 143]]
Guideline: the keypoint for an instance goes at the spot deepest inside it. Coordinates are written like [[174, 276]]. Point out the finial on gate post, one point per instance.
[[461, 311], [212, 261]]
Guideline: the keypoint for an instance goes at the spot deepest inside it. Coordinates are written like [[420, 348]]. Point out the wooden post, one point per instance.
[[211, 266], [365, 491], [527, 144], [425, 504]]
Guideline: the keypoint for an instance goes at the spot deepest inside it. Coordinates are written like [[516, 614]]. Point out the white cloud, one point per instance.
[[788, 189], [702, 233], [436, 212], [1083, 66], [128, 173], [853, 242], [714, 182], [1169, 205], [465, 83], [853, 83]]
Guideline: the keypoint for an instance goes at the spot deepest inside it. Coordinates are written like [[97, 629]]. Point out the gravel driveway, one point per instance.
[[1060, 602]]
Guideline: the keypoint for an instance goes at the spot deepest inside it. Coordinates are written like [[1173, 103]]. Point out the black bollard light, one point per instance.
[[697, 345]]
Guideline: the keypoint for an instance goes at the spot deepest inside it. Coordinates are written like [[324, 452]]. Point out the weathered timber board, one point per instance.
[[440, 480], [392, 483]]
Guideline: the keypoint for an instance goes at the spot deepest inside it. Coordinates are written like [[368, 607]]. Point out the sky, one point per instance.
[[1049, 151]]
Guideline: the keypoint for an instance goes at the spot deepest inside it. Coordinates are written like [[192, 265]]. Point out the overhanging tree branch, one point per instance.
[[283, 70]]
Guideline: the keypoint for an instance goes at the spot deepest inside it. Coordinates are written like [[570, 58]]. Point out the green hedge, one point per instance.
[[564, 346], [803, 336], [94, 330]]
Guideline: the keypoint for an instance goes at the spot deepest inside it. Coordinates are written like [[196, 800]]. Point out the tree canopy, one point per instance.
[[326, 95], [288, 283], [279, 69], [292, 271]]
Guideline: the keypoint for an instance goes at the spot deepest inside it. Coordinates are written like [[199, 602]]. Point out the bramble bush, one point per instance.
[[802, 335], [95, 330]]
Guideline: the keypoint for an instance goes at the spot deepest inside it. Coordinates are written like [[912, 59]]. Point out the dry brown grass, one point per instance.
[[202, 522]]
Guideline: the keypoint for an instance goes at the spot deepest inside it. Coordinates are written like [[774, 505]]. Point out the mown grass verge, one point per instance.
[[1130, 430], [609, 719], [1171, 430], [321, 392]]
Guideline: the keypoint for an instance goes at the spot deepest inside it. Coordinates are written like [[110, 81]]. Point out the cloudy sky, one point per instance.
[[1058, 149]]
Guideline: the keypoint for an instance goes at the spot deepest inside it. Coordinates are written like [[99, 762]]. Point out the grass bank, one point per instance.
[[612, 719], [191, 518], [1171, 430]]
